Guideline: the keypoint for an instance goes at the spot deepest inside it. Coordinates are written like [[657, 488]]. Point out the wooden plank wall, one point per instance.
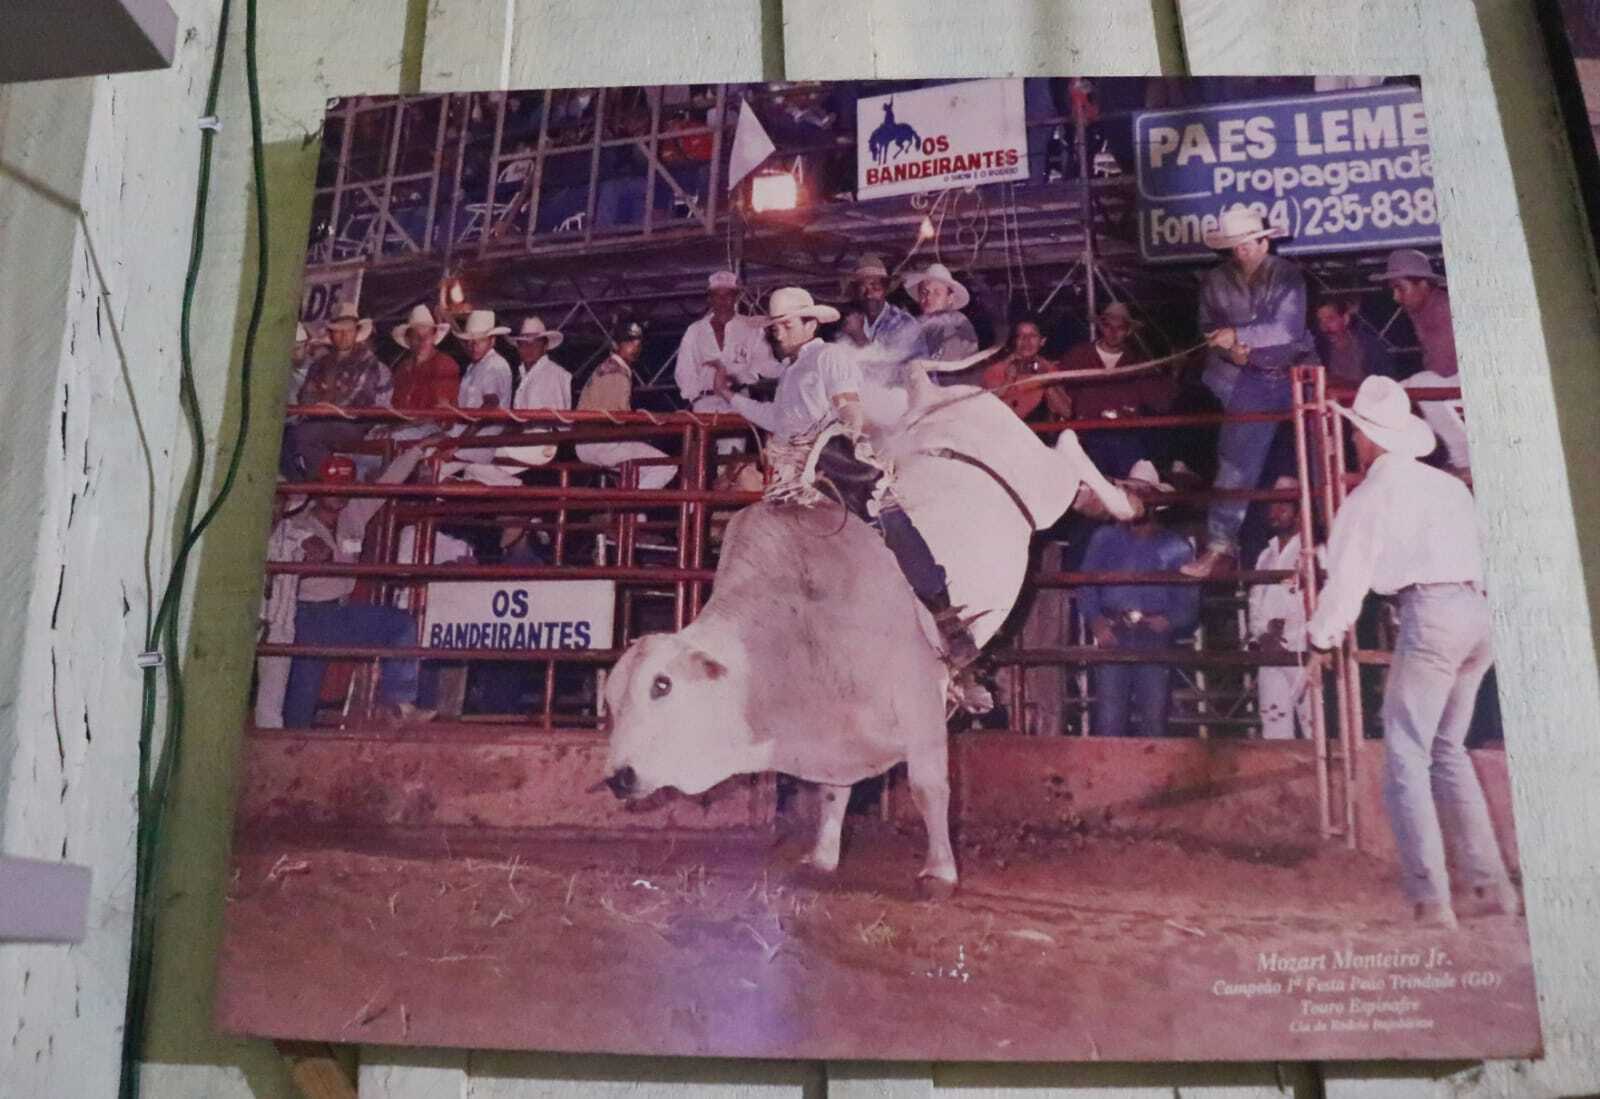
[[1522, 278]]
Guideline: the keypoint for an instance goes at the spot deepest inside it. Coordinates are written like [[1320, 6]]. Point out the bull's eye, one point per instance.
[[660, 687]]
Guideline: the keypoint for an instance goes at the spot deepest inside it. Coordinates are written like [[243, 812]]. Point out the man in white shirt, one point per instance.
[[487, 381], [1278, 623], [545, 384], [722, 340], [1409, 530]]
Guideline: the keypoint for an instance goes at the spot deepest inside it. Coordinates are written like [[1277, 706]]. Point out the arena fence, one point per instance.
[[658, 545]]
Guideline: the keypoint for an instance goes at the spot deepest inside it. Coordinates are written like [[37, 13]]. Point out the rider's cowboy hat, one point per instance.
[[792, 301]]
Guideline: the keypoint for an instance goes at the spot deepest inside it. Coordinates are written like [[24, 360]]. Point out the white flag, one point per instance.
[[751, 146]]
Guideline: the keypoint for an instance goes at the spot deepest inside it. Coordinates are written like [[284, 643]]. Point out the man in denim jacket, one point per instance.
[[1253, 313]]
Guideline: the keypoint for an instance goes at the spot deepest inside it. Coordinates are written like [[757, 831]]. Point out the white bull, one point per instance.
[[814, 658]]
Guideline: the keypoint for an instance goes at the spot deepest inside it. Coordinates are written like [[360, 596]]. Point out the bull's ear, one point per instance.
[[708, 667]]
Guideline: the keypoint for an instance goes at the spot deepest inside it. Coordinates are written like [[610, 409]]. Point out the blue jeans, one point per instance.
[[356, 624], [1429, 785], [1122, 691], [1242, 448]]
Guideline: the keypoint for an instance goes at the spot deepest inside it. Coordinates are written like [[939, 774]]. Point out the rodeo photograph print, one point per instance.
[[941, 569]]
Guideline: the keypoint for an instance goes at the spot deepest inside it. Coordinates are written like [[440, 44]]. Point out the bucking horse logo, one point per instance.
[[891, 138]]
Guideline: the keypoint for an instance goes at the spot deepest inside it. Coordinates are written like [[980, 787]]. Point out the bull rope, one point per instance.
[[1070, 376]]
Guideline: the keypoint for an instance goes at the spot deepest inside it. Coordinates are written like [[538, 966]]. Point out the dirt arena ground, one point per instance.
[[1066, 947]]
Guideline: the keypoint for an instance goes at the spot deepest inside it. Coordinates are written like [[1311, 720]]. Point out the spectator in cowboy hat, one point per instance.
[[545, 384], [1410, 530], [487, 381], [886, 325], [424, 377], [346, 373], [943, 332], [1148, 394], [722, 340], [1422, 294], [610, 389], [1253, 314], [1136, 616]]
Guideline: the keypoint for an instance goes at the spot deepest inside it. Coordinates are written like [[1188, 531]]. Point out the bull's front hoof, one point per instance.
[[930, 888]]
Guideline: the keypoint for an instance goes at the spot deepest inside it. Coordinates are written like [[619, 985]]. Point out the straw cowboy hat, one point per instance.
[[870, 266], [420, 317], [480, 326], [347, 313], [791, 301], [938, 272], [533, 329], [1408, 263], [1239, 224], [722, 280], [1382, 412]]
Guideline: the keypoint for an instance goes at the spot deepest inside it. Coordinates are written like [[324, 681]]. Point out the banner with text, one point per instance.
[[324, 288], [520, 614], [952, 135], [1341, 171]]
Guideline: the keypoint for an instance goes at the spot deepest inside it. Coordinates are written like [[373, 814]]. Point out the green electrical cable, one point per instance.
[[162, 630]]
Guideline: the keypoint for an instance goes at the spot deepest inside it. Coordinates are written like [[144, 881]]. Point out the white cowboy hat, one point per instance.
[[420, 317], [1144, 473], [1408, 263], [533, 329], [347, 313], [792, 301], [1237, 225], [938, 272], [722, 280], [1382, 412], [480, 326]]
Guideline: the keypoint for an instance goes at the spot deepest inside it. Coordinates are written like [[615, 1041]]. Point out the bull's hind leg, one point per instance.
[[928, 773], [824, 854]]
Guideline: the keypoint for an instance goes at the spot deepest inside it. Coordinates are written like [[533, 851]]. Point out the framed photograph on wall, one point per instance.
[[941, 569]]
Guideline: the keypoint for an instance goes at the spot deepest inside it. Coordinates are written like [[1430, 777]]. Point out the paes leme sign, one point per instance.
[[951, 135], [519, 615], [1340, 171]]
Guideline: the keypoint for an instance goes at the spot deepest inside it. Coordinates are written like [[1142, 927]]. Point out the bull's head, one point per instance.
[[677, 717]]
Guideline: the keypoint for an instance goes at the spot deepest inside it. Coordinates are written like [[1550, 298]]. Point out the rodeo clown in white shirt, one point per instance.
[[1409, 530]]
